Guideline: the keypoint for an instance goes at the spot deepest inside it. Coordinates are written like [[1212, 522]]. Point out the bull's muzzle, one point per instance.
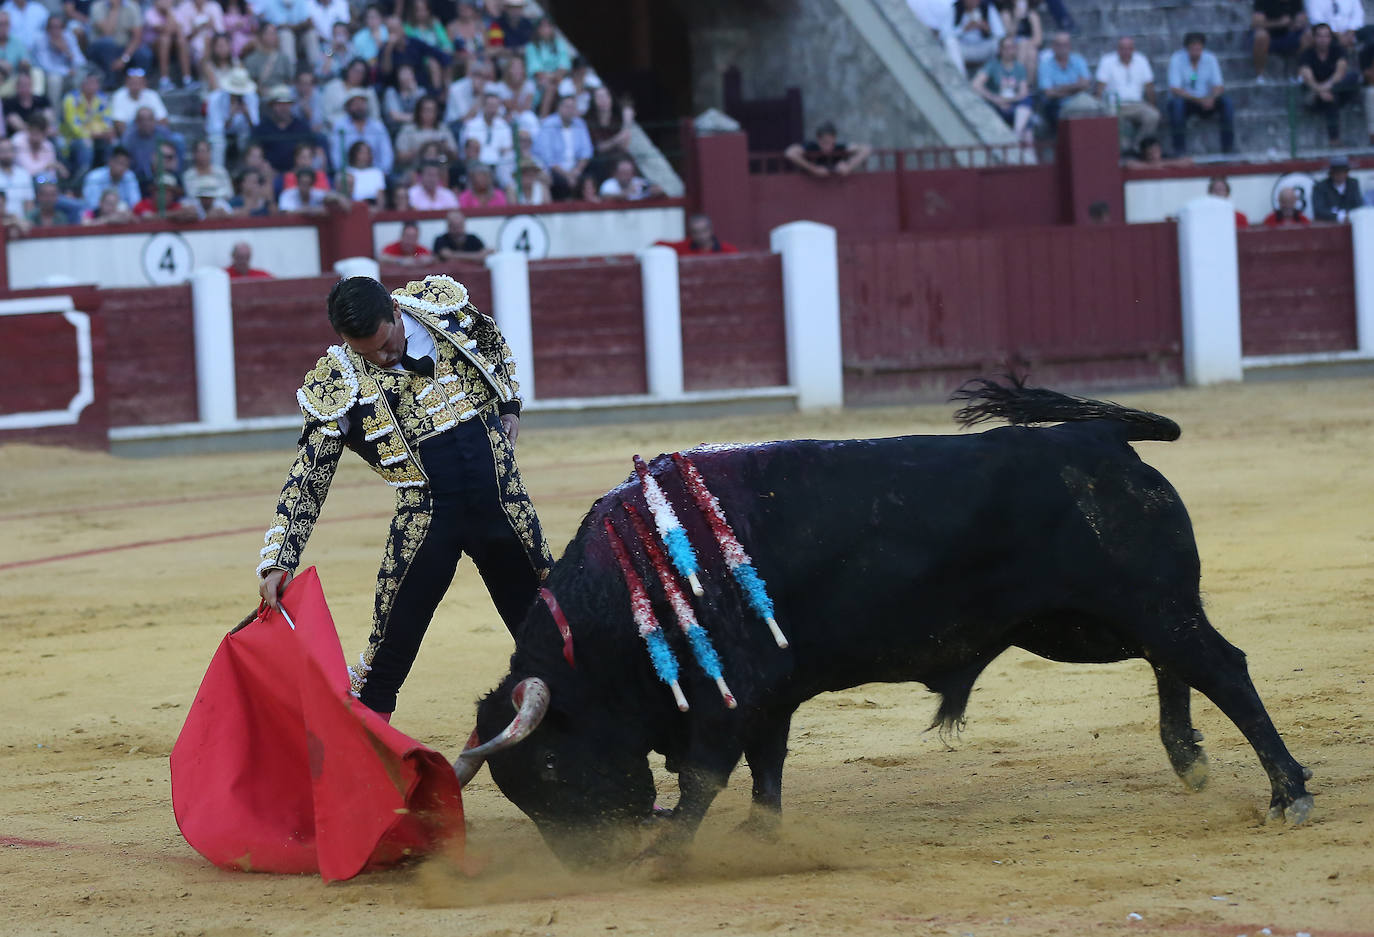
[[531, 700]]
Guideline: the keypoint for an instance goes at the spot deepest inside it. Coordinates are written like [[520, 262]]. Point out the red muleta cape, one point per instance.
[[280, 769]]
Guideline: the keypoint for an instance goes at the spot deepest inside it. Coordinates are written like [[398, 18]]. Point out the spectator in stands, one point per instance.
[[163, 197], [482, 191], [163, 33], [242, 26], [1343, 16], [87, 126], [469, 33], [465, 96], [49, 208], [1022, 20], [309, 98], [1288, 212], [231, 110], [116, 39], [142, 143], [291, 19], [826, 155], [399, 101], [626, 185], [269, 64], [325, 15], [218, 61], [35, 152], [109, 209], [364, 182], [509, 17], [457, 243], [369, 41], [27, 19], [514, 82], [498, 143], [255, 196], [241, 264], [701, 239], [57, 51], [279, 133], [408, 250], [1003, 83], [12, 52], [609, 128], [1326, 75], [203, 168], [1219, 187], [356, 124], [1128, 82], [1149, 154], [429, 193], [15, 181], [531, 183], [115, 174], [1062, 75], [306, 156], [1280, 26], [548, 59], [580, 84], [1366, 59], [14, 225], [304, 196], [209, 198], [200, 22], [1100, 212], [423, 128], [134, 94], [1337, 194], [564, 146], [1196, 88], [24, 105], [335, 95], [428, 46], [979, 28]]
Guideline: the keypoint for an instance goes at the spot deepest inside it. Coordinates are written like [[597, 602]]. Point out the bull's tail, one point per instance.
[[1018, 404]]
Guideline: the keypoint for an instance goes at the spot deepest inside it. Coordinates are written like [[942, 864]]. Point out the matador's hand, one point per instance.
[[511, 424], [271, 586]]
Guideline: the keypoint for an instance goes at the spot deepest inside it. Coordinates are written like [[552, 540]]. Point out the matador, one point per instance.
[[423, 389]]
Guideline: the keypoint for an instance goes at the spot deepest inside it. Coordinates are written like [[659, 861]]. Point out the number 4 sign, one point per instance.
[[524, 233], [167, 259]]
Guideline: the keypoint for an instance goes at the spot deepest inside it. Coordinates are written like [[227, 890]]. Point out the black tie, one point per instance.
[[424, 365]]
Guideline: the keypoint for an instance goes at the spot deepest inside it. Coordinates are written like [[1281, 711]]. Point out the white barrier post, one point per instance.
[[662, 320], [358, 267], [811, 307], [1362, 234], [510, 301], [1209, 279], [213, 319]]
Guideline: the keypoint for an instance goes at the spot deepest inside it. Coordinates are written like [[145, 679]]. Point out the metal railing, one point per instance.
[[917, 159]]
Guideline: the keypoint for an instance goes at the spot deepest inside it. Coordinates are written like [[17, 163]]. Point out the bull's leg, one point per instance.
[[766, 753], [1177, 732], [1194, 651]]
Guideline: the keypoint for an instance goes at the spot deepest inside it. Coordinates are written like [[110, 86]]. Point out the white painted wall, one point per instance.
[[811, 307], [1209, 277], [115, 259], [569, 234]]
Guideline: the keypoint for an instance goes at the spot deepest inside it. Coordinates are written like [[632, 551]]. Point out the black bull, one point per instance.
[[919, 558]]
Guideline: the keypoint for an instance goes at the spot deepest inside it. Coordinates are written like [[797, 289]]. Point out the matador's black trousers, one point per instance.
[[460, 512]]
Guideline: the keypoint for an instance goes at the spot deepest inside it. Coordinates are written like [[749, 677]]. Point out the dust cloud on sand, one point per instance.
[[1054, 812]]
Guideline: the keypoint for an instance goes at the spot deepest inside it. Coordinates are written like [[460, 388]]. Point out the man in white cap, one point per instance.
[[356, 125], [280, 132]]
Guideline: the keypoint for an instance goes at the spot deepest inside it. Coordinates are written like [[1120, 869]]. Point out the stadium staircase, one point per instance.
[[1263, 108]]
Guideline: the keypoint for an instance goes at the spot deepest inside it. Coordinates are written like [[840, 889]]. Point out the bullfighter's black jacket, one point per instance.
[[384, 414]]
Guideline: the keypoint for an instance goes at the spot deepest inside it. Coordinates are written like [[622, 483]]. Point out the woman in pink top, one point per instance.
[[163, 31], [200, 20], [241, 25], [480, 193]]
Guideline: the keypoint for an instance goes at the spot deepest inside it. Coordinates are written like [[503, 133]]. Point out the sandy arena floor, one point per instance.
[[1055, 813]]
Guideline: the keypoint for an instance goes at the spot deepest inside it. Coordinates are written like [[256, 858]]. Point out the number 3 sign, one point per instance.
[[167, 259], [524, 233]]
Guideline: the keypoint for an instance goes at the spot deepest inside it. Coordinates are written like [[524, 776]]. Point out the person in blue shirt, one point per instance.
[[1060, 77], [1195, 87], [565, 147], [116, 174]]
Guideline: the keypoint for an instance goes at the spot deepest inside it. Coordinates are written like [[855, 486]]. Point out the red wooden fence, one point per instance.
[[733, 331], [588, 322], [1070, 305], [150, 352], [1297, 290]]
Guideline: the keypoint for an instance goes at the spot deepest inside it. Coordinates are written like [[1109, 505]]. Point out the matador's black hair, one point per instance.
[[357, 306]]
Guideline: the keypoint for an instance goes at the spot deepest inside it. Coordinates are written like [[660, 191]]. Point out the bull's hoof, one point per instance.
[[1194, 776], [1296, 812]]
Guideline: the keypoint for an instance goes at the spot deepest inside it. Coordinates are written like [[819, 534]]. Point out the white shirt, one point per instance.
[[325, 13], [1340, 15], [460, 98], [419, 344], [1127, 82], [123, 105], [367, 182], [584, 97], [27, 24], [498, 145], [18, 187], [638, 188], [290, 199]]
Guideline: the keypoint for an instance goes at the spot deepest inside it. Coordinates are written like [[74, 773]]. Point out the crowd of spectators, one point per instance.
[[308, 105]]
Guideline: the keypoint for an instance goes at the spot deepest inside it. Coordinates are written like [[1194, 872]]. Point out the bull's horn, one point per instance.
[[531, 699]]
